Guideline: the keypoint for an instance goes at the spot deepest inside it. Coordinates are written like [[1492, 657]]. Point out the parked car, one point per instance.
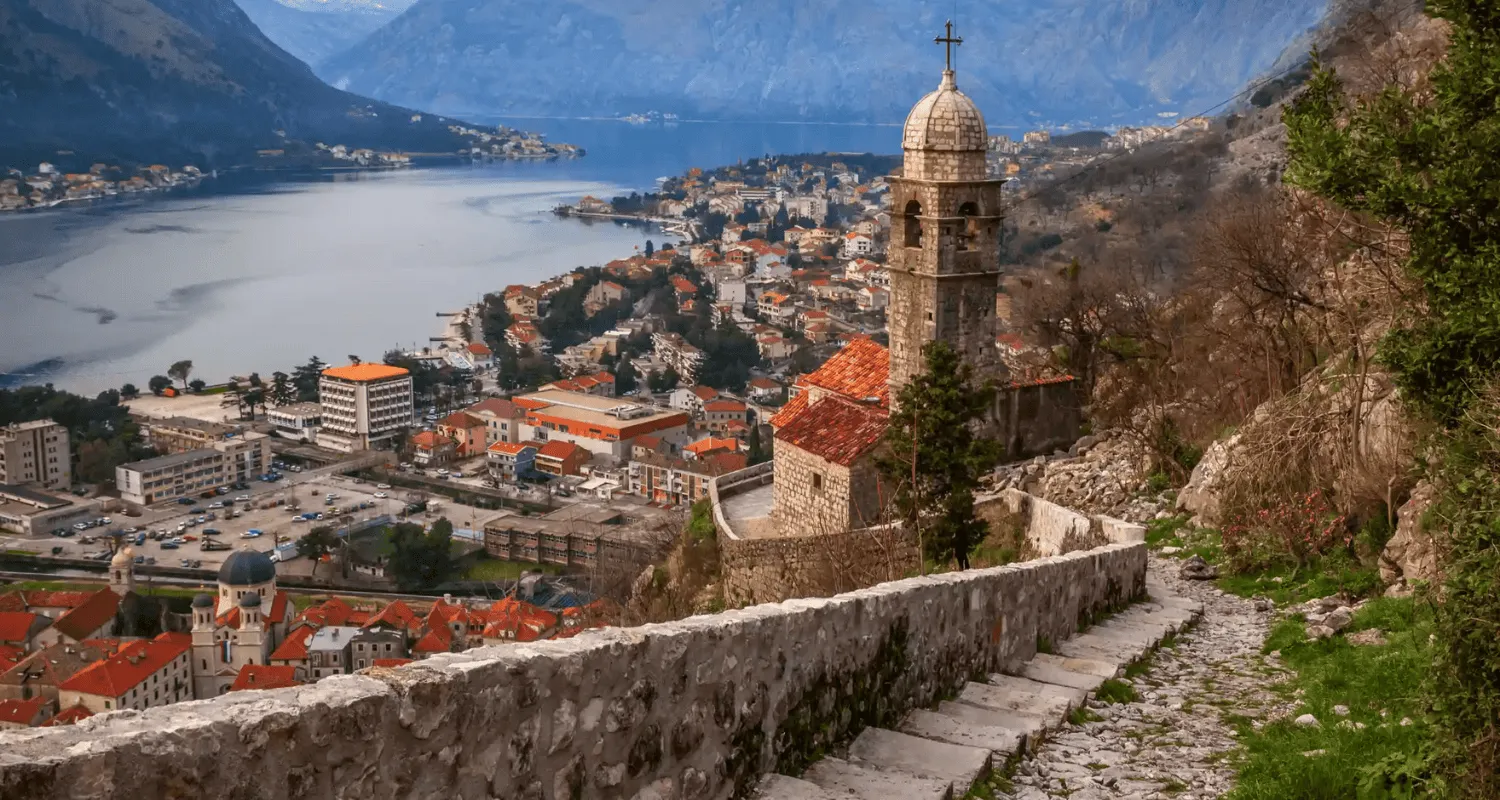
[[244, 498], [379, 495], [77, 526], [216, 504], [210, 531], [179, 540], [185, 501], [57, 551], [172, 545], [382, 486]]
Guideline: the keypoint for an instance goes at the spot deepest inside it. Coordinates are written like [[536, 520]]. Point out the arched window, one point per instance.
[[970, 229], [912, 224]]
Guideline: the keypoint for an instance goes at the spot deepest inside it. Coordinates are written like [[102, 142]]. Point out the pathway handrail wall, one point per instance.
[[695, 708]]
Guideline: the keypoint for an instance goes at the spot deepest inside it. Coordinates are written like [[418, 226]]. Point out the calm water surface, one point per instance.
[[246, 274]]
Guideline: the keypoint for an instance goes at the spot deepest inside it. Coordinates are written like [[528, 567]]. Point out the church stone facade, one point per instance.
[[944, 257]]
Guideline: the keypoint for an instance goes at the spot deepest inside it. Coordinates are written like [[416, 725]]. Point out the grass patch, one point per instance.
[[1165, 532], [997, 783], [1139, 667], [1367, 680], [1115, 692], [491, 569], [1321, 578], [1043, 645], [1082, 715]]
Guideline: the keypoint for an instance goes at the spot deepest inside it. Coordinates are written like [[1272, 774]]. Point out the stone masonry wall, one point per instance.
[[697, 708], [1053, 530], [772, 570], [802, 508]]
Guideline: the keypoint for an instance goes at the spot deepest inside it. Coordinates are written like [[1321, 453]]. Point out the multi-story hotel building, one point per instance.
[[364, 406], [35, 452], [193, 472], [604, 426]]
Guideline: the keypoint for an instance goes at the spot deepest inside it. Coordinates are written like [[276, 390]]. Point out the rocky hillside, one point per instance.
[[1117, 61], [186, 81]]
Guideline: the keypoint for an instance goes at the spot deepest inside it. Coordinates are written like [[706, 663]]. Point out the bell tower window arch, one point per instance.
[[911, 225]]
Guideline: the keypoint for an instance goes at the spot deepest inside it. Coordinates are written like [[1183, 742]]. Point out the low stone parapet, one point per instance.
[[695, 708]]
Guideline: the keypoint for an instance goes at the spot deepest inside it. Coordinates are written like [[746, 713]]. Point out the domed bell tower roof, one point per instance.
[[946, 120]]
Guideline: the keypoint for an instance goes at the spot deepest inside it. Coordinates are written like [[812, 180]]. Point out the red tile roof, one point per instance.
[[705, 392], [69, 716], [279, 605], [294, 647], [429, 440], [397, 614], [859, 372], [136, 661], [557, 449], [648, 441], [260, 676], [508, 448], [361, 373], [461, 419], [21, 712], [480, 350], [724, 405], [438, 640], [15, 626], [790, 411], [82, 621], [683, 285], [25, 601], [709, 444], [10, 656], [391, 662], [499, 407], [836, 430]]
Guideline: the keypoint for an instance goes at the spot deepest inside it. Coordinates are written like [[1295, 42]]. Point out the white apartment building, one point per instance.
[[36, 452], [297, 421], [165, 478], [364, 406]]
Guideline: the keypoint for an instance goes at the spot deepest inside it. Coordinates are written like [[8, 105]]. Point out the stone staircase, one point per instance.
[[939, 754]]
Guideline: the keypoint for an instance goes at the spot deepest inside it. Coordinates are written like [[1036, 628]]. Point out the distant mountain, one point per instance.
[[313, 33], [182, 81], [1024, 61]]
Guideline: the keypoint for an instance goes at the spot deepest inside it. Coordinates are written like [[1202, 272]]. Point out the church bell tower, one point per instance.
[[944, 254]]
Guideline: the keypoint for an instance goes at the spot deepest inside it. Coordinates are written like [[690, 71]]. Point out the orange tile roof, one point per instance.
[[365, 372], [391, 662], [294, 646], [24, 601], [438, 640], [480, 350], [790, 411], [396, 614], [504, 409], [261, 676], [724, 405], [508, 448], [118, 674], [836, 430], [10, 656], [279, 604], [21, 712], [15, 626], [705, 392], [557, 449], [648, 441], [709, 444], [859, 372], [69, 716], [683, 285], [461, 419], [83, 620], [429, 440]]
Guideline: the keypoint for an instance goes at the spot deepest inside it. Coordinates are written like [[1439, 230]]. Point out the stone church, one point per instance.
[[944, 263]]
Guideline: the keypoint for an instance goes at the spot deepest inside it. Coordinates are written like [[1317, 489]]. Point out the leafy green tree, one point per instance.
[[935, 458], [282, 392], [625, 380], [306, 378], [318, 542], [180, 372], [197, 384], [759, 452], [663, 382], [1427, 162], [129, 392], [650, 249], [158, 384], [421, 559]]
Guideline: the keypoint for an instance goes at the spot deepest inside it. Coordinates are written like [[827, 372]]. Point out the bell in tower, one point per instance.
[[944, 257]]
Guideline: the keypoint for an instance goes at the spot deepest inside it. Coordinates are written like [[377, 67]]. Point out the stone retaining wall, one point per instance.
[[818, 565], [692, 709], [1053, 530]]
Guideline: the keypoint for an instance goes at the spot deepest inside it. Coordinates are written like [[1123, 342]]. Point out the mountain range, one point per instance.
[[172, 81], [1026, 62]]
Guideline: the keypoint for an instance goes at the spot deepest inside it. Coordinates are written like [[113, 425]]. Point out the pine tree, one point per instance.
[[935, 458]]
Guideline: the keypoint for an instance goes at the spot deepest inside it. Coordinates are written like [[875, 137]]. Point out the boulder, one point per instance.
[[1339, 618], [1411, 554], [1196, 569], [1200, 496]]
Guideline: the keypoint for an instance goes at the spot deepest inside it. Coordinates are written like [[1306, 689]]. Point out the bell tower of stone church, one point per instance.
[[944, 253]]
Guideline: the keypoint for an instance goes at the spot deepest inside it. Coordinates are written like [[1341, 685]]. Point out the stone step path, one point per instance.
[[939, 754]]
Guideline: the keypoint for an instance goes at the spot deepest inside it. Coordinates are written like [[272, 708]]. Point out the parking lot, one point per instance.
[[268, 510]]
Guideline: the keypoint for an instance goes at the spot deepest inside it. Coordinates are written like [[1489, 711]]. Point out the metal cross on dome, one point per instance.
[[948, 41]]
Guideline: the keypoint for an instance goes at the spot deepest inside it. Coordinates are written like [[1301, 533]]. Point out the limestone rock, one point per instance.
[[1200, 496], [1339, 618], [1319, 632], [1197, 569], [1306, 721], [1366, 638], [1411, 554]]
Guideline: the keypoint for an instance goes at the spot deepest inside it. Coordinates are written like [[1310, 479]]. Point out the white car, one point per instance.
[[382, 486], [381, 495], [244, 498]]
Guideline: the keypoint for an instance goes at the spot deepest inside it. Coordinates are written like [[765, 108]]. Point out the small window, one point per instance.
[[818, 481]]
